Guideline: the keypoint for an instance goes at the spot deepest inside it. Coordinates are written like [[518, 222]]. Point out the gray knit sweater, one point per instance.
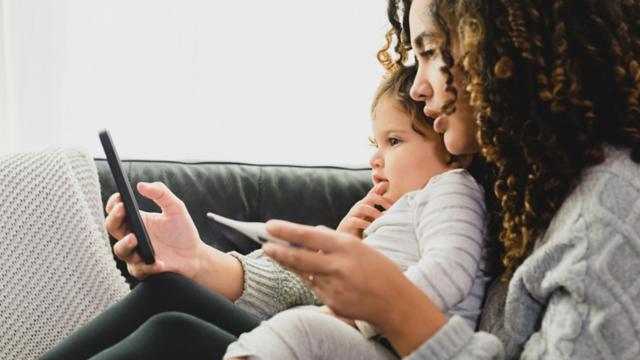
[[577, 296], [269, 288]]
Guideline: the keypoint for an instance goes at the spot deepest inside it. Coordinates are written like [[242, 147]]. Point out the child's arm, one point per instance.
[[364, 211]]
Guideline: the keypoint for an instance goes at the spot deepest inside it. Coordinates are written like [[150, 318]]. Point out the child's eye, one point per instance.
[[372, 142], [393, 141]]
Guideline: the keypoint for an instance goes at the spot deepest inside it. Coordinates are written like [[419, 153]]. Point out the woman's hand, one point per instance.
[[357, 282], [364, 211], [344, 273], [174, 237]]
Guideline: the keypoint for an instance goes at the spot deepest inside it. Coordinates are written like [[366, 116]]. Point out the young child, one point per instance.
[[425, 212]]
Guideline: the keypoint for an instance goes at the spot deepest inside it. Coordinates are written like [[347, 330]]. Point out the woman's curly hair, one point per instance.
[[551, 82]]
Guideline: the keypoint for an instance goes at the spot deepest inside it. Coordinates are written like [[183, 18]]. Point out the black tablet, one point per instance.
[[144, 247]]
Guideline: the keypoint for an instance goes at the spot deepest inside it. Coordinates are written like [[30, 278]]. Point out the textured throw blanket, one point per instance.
[[56, 266]]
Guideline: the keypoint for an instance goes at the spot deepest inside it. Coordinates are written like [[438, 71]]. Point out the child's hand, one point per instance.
[[327, 310], [364, 211]]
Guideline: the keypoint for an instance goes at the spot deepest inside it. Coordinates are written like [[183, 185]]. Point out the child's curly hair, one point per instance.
[[551, 83], [397, 84]]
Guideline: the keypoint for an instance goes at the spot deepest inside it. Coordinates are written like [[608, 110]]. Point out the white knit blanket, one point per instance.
[[56, 265]]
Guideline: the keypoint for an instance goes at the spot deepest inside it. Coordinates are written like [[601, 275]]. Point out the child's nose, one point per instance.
[[376, 161]]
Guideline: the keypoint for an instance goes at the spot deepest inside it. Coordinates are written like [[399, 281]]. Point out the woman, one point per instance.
[[552, 89]]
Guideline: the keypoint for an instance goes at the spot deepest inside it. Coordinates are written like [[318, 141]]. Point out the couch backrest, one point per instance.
[[308, 195]]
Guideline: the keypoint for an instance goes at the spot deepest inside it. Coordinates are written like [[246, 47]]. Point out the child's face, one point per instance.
[[459, 128], [404, 158]]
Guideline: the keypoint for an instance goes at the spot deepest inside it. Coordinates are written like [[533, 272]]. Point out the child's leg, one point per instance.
[[158, 294], [171, 335], [305, 333]]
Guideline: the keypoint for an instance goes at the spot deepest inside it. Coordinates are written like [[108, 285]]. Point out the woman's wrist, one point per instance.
[[411, 318], [219, 272]]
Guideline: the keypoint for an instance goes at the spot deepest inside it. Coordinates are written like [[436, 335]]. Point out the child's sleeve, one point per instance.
[[449, 221]]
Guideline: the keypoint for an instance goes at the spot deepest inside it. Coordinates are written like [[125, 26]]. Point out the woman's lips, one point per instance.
[[440, 124]]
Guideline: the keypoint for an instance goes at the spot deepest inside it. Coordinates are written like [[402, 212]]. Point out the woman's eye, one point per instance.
[[393, 141], [427, 54]]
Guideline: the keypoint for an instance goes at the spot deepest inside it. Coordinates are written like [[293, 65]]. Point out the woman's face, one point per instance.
[[459, 128]]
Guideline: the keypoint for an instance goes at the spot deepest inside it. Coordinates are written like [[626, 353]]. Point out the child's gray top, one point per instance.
[[578, 295], [436, 236]]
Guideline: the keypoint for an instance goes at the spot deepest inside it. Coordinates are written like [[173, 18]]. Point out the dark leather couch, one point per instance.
[[304, 194]]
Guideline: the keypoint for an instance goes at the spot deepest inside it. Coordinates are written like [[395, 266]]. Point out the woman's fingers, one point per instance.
[[115, 222], [299, 260], [125, 248], [142, 270], [125, 251], [310, 237], [161, 195], [113, 200], [357, 223], [306, 278]]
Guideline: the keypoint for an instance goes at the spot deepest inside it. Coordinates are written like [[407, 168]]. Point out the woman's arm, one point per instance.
[[413, 321], [220, 272], [346, 272], [268, 288], [255, 281], [359, 282]]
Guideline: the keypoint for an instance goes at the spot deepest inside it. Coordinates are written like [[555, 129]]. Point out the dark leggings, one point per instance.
[[166, 316]]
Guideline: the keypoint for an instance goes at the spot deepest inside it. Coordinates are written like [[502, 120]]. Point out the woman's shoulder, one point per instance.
[[594, 239], [617, 161], [611, 188], [606, 200]]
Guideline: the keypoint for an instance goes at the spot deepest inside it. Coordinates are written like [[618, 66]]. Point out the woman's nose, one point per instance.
[[421, 89]]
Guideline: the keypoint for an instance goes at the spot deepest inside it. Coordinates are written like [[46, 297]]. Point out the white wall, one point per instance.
[[4, 135], [286, 81]]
